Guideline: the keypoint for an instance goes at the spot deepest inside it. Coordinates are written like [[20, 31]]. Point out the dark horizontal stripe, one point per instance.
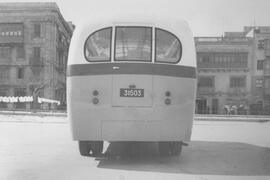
[[131, 68]]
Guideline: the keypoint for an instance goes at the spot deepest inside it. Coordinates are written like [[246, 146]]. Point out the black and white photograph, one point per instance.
[[134, 89]]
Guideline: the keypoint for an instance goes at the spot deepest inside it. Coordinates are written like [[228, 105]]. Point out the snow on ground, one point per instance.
[[34, 118], [256, 133], [219, 150]]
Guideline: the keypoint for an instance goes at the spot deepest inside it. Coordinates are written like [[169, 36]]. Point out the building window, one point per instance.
[[205, 59], [237, 82], [59, 35], [20, 73], [260, 64], [37, 54], [5, 52], [206, 82], [60, 58], [267, 86], [244, 60], [261, 44], [259, 83], [20, 52], [267, 66], [36, 30], [4, 73]]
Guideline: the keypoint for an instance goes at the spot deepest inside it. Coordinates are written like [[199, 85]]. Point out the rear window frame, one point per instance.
[[84, 48], [137, 60], [155, 53]]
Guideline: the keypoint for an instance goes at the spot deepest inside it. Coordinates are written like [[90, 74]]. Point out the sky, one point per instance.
[[205, 17]]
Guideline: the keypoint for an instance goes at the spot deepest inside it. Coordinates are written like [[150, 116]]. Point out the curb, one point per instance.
[[40, 114], [239, 118], [231, 118]]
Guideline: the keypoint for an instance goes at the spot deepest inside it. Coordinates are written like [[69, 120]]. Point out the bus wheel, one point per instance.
[[84, 147], [164, 148], [176, 148], [97, 147]]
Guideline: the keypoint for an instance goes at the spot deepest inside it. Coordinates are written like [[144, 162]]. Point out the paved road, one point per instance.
[[219, 150]]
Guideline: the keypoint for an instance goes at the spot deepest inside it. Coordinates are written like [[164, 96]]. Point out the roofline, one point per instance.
[[35, 6]]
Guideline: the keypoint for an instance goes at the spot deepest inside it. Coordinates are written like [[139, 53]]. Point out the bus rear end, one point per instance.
[[135, 83]]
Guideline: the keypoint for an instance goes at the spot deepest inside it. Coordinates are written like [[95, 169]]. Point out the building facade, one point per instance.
[[260, 91], [34, 42], [233, 72]]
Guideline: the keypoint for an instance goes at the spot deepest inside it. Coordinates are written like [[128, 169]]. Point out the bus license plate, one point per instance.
[[131, 92]]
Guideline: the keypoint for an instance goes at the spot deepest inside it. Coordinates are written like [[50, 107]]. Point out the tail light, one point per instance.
[[95, 93], [95, 100], [168, 101], [167, 93]]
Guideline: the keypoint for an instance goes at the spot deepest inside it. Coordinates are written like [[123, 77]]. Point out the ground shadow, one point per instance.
[[200, 157]]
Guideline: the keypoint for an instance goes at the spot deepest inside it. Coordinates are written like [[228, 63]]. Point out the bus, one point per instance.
[[131, 80]]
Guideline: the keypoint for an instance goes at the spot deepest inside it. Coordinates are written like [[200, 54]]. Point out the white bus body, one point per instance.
[[127, 81]]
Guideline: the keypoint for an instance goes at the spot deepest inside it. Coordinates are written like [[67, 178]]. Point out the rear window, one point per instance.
[[98, 45], [133, 44], [168, 47]]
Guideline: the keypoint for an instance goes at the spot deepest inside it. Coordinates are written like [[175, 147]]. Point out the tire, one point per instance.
[[164, 148], [97, 148], [84, 148], [176, 148]]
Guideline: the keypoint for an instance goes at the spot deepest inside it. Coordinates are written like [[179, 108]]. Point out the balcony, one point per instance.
[[206, 90], [222, 40], [223, 65], [237, 91]]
